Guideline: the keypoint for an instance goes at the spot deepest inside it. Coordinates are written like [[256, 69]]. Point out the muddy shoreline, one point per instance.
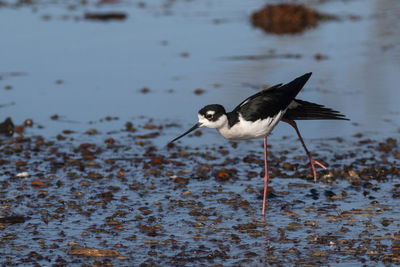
[[124, 201]]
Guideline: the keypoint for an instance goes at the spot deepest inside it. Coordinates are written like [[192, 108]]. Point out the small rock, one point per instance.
[[93, 252], [293, 226], [38, 183], [319, 253], [199, 91], [7, 127], [145, 90], [22, 174]]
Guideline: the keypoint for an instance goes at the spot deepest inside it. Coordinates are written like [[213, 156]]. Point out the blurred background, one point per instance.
[[164, 60]]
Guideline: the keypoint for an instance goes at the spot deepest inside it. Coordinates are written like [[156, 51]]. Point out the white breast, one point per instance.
[[250, 129]]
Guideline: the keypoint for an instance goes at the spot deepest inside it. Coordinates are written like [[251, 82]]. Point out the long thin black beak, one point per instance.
[[197, 125]]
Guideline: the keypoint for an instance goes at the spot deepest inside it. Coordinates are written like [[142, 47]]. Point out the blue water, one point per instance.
[[103, 66]]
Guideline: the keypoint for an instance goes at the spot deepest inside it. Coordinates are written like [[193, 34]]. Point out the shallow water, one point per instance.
[[197, 203], [190, 206]]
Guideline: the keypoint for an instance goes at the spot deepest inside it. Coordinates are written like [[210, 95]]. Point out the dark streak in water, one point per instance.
[[263, 57]]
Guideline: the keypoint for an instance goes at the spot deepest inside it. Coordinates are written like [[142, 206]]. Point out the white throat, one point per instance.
[[220, 123]]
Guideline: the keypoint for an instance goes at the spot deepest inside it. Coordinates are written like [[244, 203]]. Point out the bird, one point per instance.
[[257, 116]]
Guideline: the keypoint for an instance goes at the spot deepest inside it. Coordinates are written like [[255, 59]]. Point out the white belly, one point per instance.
[[250, 129]]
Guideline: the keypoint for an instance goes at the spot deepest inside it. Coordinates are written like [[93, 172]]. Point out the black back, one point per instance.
[[269, 102]]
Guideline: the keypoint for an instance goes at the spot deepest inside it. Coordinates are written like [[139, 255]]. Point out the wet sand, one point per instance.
[[121, 200]]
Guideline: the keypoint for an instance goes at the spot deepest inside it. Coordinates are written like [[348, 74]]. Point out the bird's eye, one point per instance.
[[209, 116]]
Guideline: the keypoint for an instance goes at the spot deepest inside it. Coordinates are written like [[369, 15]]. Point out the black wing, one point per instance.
[[256, 95], [270, 102], [303, 110]]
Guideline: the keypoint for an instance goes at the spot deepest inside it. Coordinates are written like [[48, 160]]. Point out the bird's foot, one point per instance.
[[313, 162], [317, 163]]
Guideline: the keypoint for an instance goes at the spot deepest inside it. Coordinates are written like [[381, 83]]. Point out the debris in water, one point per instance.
[[287, 18]]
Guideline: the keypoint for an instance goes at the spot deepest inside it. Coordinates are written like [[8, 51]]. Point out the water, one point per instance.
[[103, 66], [169, 207]]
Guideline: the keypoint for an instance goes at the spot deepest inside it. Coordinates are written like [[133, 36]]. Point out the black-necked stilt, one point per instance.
[[257, 116]]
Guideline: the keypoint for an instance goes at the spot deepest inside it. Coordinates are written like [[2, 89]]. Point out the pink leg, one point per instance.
[[266, 176], [312, 161]]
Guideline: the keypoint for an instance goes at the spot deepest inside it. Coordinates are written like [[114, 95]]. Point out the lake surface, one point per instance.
[[84, 70]]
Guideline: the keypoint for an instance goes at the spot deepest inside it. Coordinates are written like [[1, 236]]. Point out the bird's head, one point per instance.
[[211, 116]]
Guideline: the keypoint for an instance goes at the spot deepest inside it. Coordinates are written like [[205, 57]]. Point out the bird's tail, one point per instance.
[[292, 88], [303, 110]]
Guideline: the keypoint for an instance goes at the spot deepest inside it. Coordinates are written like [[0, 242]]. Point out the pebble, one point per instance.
[[93, 252]]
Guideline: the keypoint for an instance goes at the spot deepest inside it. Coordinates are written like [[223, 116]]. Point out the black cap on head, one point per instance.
[[212, 112]]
